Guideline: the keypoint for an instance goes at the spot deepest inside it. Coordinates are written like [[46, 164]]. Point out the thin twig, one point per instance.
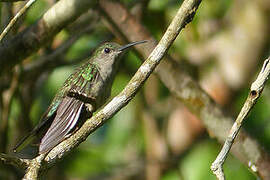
[[184, 15], [255, 92], [62, 13], [16, 17], [176, 77]]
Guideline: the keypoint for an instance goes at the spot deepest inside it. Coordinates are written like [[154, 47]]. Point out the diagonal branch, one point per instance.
[[175, 77], [31, 39], [184, 15], [255, 92]]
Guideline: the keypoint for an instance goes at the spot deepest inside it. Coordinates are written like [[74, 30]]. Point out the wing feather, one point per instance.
[[64, 112], [67, 116], [69, 110]]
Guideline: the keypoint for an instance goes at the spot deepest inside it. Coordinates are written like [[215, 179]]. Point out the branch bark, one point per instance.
[[33, 168], [183, 16], [183, 87], [255, 92], [31, 39], [42, 162]]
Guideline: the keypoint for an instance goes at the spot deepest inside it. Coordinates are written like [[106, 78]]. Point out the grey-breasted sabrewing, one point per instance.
[[82, 93]]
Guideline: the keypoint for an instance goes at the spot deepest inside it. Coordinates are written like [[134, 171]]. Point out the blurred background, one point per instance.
[[155, 136]]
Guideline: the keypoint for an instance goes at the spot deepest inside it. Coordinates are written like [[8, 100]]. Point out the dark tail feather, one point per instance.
[[24, 142]]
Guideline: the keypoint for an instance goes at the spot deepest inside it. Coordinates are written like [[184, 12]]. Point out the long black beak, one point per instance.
[[122, 48]]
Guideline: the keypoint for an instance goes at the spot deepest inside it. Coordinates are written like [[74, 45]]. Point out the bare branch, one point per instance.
[[32, 171], [16, 17], [177, 79], [183, 16], [31, 39], [255, 92]]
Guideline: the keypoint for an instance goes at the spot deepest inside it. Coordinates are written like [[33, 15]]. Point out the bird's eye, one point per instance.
[[107, 50]]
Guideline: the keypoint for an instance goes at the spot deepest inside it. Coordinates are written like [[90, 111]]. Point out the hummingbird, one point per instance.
[[83, 92]]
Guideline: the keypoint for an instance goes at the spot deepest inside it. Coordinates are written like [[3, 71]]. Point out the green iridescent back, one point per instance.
[[81, 81]]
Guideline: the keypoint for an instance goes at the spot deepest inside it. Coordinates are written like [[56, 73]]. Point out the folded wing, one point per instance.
[[67, 115]]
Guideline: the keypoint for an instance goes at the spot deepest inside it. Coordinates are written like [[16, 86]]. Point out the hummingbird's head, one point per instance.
[[109, 51], [107, 55]]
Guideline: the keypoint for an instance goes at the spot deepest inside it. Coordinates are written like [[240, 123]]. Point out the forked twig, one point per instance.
[[255, 92]]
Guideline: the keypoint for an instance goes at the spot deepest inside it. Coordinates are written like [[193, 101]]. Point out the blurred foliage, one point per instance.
[[195, 165], [34, 13], [111, 151]]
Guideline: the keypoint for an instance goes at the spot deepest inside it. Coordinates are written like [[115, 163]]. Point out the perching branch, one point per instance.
[[31, 39], [177, 79], [255, 92], [32, 171], [183, 16], [16, 17]]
